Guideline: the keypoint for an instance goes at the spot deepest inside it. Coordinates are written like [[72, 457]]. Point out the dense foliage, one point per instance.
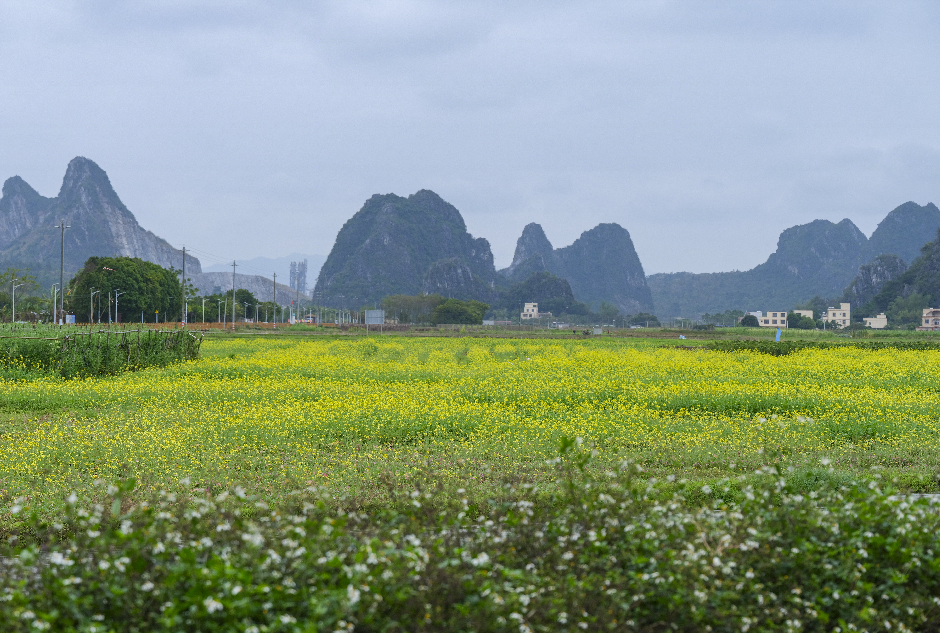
[[148, 292], [455, 311], [609, 554], [552, 293], [415, 309]]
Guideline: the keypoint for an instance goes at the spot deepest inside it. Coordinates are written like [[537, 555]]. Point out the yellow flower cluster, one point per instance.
[[295, 410]]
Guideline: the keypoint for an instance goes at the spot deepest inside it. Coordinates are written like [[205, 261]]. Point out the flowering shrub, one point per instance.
[[600, 554]]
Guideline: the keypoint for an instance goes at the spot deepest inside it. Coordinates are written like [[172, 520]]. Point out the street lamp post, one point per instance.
[[91, 305], [203, 310], [55, 291], [116, 295], [245, 303], [15, 286], [63, 226]]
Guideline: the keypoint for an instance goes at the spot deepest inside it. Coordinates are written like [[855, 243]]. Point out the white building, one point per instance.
[[879, 322], [773, 319], [530, 311], [930, 319], [841, 315]]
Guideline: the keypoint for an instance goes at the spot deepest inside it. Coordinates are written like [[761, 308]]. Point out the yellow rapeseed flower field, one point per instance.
[[272, 414]]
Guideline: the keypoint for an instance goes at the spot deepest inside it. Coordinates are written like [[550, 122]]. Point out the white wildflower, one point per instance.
[[212, 605]]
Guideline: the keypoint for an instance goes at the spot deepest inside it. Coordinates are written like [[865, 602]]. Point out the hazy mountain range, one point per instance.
[[818, 258], [264, 266], [420, 244]]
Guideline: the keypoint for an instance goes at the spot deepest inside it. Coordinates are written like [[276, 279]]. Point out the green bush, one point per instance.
[[610, 554], [788, 347], [455, 311], [74, 352], [749, 320]]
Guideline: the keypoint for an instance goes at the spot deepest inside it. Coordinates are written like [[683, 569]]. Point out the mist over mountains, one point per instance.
[[420, 244]]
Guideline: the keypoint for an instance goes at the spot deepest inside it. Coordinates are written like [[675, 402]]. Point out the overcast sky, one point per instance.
[[704, 128]]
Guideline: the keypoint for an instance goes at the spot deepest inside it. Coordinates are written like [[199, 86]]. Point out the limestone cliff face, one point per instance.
[[100, 225], [534, 253], [396, 245], [872, 278], [601, 265]]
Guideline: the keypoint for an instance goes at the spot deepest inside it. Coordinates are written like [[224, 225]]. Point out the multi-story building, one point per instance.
[[879, 322], [930, 320], [804, 313], [531, 311], [841, 315], [773, 319]]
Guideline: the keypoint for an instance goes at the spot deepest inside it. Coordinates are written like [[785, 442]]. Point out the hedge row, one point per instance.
[[788, 347], [602, 555], [83, 354]]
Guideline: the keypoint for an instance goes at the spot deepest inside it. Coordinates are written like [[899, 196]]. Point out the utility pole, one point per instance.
[[184, 287], [233, 295], [62, 226], [91, 306], [275, 301], [203, 310]]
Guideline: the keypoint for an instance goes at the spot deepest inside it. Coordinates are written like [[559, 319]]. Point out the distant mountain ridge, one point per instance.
[[601, 266], [100, 224], [818, 258]]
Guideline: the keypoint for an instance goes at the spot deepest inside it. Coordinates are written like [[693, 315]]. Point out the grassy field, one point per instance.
[[358, 415]]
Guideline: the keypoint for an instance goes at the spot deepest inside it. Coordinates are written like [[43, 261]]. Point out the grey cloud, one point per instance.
[[703, 128]]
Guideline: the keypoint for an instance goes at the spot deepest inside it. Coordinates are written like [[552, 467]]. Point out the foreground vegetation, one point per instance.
[[600, 554], [390, 483], [31, 351]]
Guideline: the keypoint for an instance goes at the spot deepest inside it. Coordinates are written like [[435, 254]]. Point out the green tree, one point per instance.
[[455, 311], [645, 319], [607, 312], [411, 308], [907, 311], [800, 322], [147, 290], [749, 320]]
